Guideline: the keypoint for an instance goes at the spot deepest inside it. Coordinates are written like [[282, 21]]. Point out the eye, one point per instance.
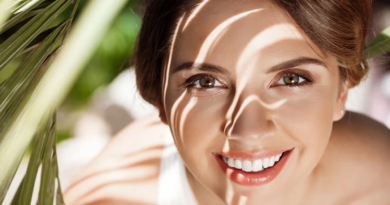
[[206, 82], [203, 81], [291, 79]]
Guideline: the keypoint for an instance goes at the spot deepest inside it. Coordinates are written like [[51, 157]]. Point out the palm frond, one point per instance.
[[37, 86], [49, 168], [378, 45], [13, 90], [17, 89], [5, 9], [15, 44], [21, 16], [43, 145]]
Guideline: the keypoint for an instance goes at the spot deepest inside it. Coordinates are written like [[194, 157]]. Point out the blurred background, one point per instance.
[[104, 98], [372, 96]]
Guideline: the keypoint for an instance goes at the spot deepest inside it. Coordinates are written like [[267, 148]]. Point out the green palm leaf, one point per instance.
[[49, 169], [13, 90], [43, 143], [378, 45], [21, 16], [25, 35], [5, 9], [37, 86], [16, 90]]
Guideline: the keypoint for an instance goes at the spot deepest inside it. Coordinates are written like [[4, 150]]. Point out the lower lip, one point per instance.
[[253, 178]]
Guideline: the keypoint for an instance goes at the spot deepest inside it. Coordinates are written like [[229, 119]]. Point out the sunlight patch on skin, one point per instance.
[[226, 147], [216, 34], [229, 196], [174, 113], [217, 39], [168, 66], [184, 115], [195, 13], [247, 71], [242, 200], [247, 101]]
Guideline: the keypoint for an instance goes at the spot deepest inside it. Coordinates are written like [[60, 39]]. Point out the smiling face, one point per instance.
[[244, 83]]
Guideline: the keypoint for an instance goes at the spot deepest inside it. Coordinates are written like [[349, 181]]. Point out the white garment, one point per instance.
[[173, 187]]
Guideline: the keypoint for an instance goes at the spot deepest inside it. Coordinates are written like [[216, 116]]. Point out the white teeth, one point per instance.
[[271, 161], [278, 157], [266, 163], [231, 162], [257, 165], [252, 166], [238, 164], [247, 166]]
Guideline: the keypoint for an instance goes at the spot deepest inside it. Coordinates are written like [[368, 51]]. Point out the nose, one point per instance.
[[251, 120]]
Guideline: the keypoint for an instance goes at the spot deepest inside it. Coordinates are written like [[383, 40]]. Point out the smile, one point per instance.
[[252, 169], [257, 165]]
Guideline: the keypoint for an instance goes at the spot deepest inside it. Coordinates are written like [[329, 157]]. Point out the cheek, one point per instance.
[[307, 120], [196, 126], [196, 121]]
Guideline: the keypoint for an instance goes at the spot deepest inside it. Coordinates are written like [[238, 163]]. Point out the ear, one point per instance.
[[162, 114], [339, 109]]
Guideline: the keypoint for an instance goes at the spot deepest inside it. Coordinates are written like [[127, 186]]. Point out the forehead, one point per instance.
[[229, 33]]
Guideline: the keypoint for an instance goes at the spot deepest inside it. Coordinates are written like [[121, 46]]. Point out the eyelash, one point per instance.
[[189, 83]]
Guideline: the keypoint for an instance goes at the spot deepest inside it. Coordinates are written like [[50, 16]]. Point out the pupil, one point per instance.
[[207, 82]]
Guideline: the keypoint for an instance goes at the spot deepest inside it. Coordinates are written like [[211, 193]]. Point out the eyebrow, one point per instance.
[[296, 62], [218, 69], [200, 66]]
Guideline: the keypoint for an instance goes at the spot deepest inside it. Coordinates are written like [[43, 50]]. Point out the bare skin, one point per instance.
[[131, 161], [344, 181]]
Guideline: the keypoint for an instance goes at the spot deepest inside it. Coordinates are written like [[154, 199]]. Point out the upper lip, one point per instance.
[[252, 155]]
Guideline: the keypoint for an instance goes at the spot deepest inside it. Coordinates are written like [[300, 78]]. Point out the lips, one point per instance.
[[244, 168]]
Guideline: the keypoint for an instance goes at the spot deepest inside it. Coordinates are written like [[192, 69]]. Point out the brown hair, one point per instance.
[[338, 27]]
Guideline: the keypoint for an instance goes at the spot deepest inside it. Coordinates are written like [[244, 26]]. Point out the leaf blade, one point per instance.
[[5, 10], [17, 19], [56, 82], [15, 44], [378, 45], [46, 191], [14, 89], [35, 160]]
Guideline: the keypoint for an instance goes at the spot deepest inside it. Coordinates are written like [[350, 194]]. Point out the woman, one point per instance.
[[253, 92]]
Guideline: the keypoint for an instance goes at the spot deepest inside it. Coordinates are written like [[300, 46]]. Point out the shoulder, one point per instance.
[[127, 170], [360, 148]]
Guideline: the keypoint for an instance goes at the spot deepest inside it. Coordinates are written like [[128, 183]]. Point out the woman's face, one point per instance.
[[244, 85]]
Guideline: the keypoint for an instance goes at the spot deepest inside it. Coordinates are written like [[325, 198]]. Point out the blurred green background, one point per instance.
[[112, 57]]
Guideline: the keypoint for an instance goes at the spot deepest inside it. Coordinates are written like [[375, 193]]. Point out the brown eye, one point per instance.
[[207, 82], [291, 79], [203, 81]]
